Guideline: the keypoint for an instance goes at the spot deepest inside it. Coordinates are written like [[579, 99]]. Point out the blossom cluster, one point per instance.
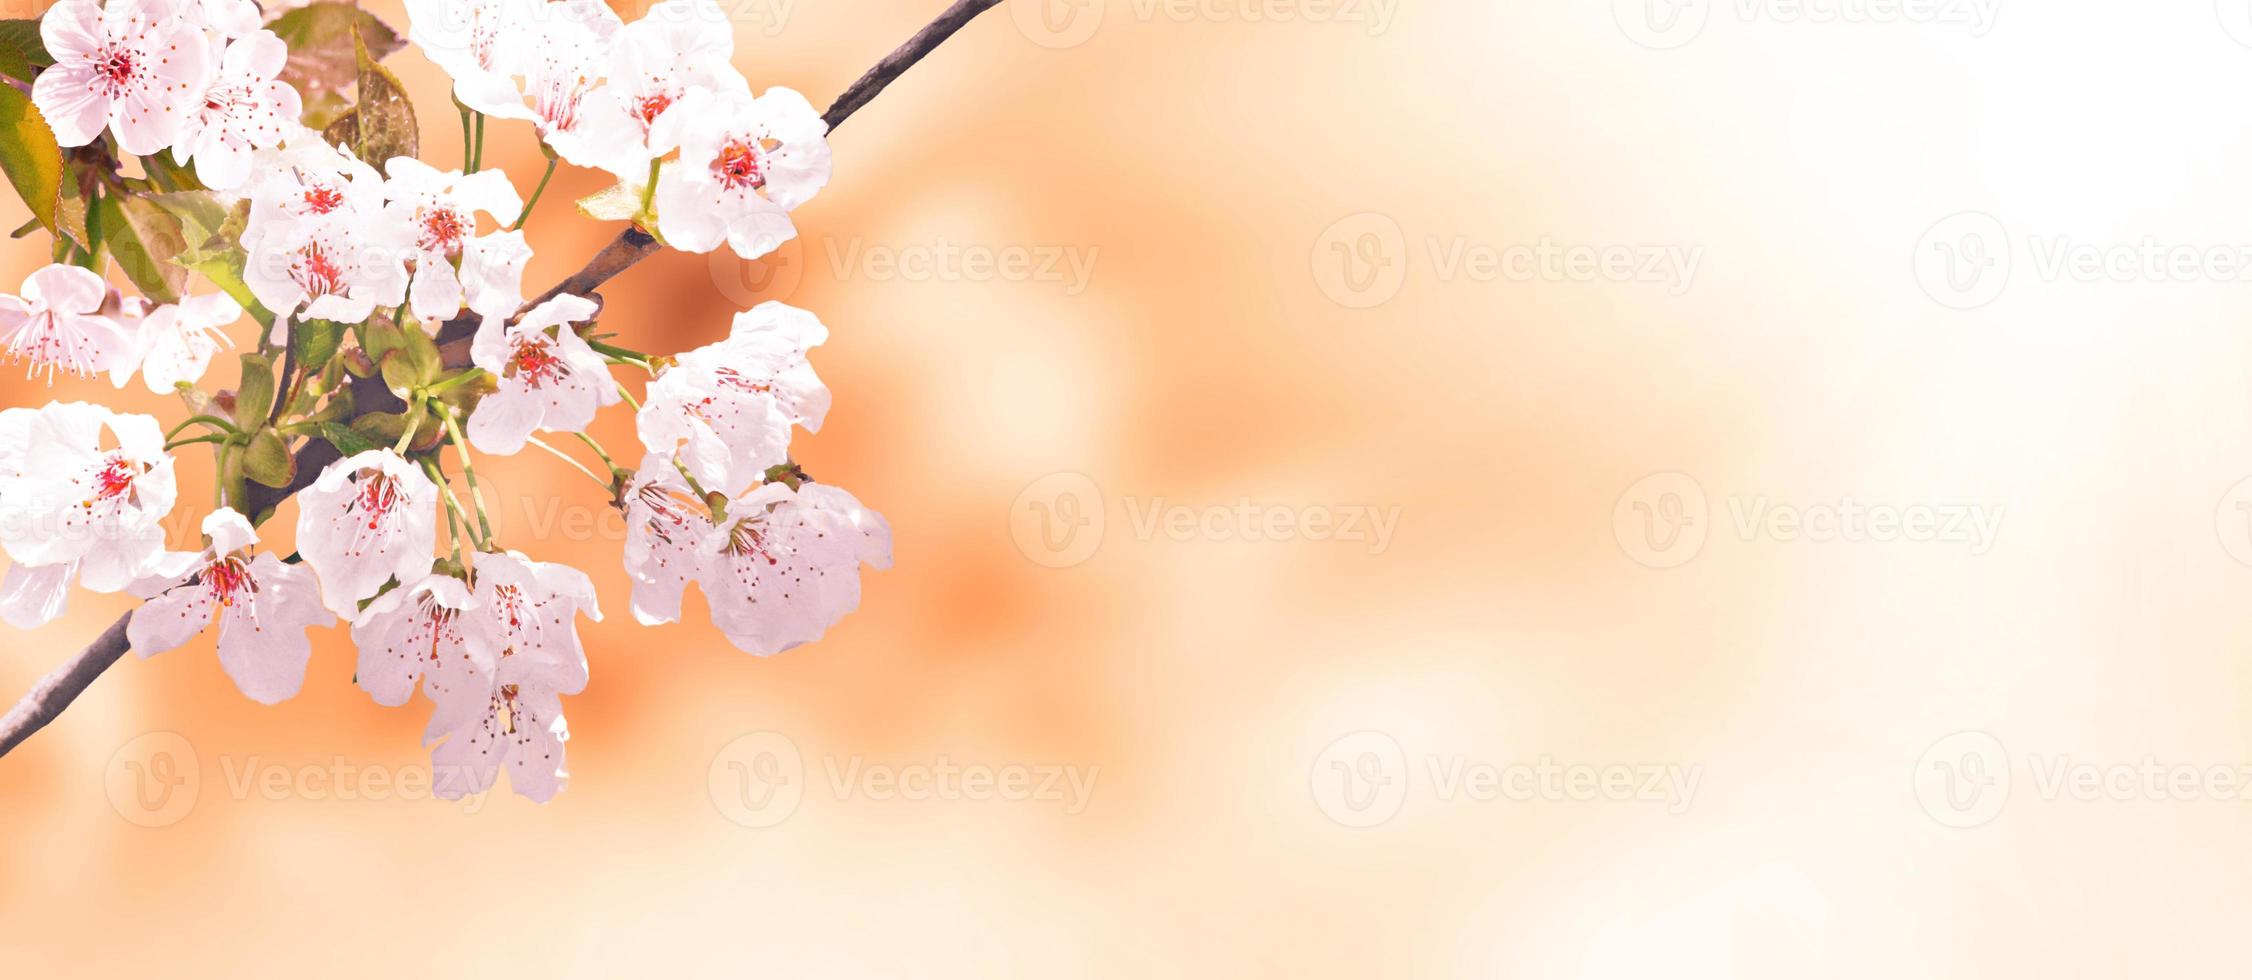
[[353, 262]]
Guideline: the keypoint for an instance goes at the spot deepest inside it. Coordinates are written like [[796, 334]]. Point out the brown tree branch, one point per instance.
[[57, 690], [924, 42]]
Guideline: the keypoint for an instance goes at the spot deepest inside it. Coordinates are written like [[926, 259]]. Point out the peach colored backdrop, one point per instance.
[[1382, 488]]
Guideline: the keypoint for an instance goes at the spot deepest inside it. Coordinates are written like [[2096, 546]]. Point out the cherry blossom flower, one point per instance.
[[726, 409], [492, 273], [744, 164], [366, 520], [177, 342], [548, 379], [568, 53], [57, 326], [668, 532], [333, 268], [420, 632], [515, 725], [134, 67], [561, 52], [786, 564], [33, 596], [228, 19], [678, 47], [475, 42], [309, 179], [527, 617], [525, 614], [262, 607], [88, 487], [245, 109], [439, 212]]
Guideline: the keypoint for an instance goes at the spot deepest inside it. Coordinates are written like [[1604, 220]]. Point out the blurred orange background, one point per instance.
[[1589, 317]]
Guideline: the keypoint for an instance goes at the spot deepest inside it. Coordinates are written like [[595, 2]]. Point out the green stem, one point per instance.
[[456, 381], [597, 447], [649, 193], [622, 355], [575, 464], [414, 422], [526, 214], [455, 518], [210, 420], [628, 396], [477, 162], [469, 472], [214, 437], [468, 142]]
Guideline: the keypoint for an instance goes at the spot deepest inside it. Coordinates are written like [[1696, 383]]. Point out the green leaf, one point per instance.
[[323, 63], [220, 259], [266, 461], [29, 154], [199, 212], [22, 52], [169, 175], [381, 428], [400, 374], [146, 240], [348, 441], [382, 125], [619, 203], [254, 398], [317, 341]]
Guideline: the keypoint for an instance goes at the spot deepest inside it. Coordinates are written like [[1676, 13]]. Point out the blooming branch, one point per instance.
[[330, 247]]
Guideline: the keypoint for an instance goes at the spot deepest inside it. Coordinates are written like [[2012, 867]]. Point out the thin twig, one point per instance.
[[924, 42], [57, 690]]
